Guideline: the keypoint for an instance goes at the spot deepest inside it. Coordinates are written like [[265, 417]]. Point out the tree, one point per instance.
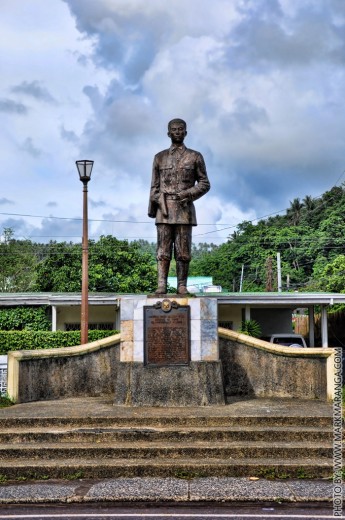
[[332, 276], [114, 266], [120, 266], [295, 211], [60, 269], [310, 236], [17, 263]]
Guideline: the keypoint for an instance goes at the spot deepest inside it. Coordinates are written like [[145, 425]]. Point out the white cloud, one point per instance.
[[34, 89], [259, 82]]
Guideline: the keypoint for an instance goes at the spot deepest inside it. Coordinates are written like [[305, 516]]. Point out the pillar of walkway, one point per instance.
[[311, 327], [54, 318], [324, 328]]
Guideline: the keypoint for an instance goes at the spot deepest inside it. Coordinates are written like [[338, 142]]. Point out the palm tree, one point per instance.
[[309, 203], [294, 211]]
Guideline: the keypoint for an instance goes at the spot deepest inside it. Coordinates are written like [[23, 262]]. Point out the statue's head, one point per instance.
[[177, 122], [177, 131]]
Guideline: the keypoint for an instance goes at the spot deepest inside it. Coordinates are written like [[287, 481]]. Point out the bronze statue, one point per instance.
[[178, 178]]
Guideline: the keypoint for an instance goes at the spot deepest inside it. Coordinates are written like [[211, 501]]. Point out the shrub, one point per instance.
[[35, 340], [251, 328], [25, 318]]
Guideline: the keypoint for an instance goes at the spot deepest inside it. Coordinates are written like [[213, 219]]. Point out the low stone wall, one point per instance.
[[85, 370], [256, 368], [251, 367], [198, 384]]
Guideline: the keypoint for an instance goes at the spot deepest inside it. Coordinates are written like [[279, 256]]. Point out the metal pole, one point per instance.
[[324, 328], [241, 281], [279, 272], [84, 322], [311, 327]]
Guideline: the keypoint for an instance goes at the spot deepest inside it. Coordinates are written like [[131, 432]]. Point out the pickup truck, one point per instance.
[[287, 340]]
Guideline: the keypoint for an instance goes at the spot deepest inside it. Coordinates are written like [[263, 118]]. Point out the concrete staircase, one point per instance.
[[175, 444]]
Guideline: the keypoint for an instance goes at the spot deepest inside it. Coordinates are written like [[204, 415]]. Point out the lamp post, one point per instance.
[[85, 169]]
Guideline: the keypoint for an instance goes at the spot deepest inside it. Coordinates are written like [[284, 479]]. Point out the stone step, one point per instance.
[[135, 434], [71, 468], [176, 421], [91, 438], [172, 450]]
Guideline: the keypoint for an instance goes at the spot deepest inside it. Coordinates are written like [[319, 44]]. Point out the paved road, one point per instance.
[[313, 511]]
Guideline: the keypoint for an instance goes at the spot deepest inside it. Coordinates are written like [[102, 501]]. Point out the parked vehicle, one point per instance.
[[287, 340]]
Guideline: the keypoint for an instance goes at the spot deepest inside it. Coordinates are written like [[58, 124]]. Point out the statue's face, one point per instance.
[[177, 133]]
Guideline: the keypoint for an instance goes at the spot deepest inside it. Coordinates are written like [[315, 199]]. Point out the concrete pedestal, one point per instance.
[[200, 383]]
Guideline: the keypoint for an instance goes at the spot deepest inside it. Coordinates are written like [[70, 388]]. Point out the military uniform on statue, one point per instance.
[[178, 178]]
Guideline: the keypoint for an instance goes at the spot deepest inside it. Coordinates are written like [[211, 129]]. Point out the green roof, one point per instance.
[[195, 281]]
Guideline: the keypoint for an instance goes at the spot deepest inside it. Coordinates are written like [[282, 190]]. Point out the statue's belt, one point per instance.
[[171, 196]]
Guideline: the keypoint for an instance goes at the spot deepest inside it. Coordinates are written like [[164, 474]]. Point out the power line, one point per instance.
[[77, 219]]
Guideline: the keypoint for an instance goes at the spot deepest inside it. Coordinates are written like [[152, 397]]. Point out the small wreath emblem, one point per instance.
[[166, 305]]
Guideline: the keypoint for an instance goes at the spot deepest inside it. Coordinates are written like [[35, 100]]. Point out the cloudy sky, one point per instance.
[[259, 82]]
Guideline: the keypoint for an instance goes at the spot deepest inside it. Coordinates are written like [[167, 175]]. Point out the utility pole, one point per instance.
[[241, 281], [269, 284], [279, 273]]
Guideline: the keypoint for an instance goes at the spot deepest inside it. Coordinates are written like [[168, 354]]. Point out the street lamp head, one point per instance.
[[84, 169]]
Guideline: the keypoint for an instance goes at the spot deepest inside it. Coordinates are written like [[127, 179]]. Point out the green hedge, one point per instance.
[[25, 318], [33, 340]]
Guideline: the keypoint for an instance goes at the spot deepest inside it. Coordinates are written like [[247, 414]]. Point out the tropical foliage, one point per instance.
[[32, 340], [25, 318], [310, 238], [251, 328]]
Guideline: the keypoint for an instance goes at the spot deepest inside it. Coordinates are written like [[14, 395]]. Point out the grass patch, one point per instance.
[[5, 401], [301, 473], [271, 473], [184, 474], [74, 476]]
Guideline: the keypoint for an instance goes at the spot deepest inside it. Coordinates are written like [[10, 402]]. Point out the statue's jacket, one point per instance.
[[176, 170]]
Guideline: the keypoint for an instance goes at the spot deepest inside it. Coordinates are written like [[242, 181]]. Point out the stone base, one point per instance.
[[203, 327], [199, 384]]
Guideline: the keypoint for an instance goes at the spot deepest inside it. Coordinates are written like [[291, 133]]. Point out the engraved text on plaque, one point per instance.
[[167, 334]]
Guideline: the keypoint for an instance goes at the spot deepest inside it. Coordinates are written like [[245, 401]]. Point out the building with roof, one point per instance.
[[272, 310]]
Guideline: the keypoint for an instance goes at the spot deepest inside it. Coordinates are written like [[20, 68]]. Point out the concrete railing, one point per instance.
[[84, 370], [250, 367], [256, 368]]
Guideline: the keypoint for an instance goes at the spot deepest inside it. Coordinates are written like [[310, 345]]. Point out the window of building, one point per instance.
[[92, 326], [226, 324]]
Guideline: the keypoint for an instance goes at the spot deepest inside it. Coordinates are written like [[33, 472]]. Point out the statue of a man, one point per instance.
[[178, 178]]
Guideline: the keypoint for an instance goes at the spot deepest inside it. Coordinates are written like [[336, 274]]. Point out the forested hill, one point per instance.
[[310, 238]]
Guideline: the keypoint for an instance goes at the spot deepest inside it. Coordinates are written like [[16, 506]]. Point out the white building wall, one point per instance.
[[230, 313], [97, 314], [272, 320]]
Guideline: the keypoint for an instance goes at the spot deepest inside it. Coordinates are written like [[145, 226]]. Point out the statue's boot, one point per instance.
[[182, 275], [163, 270]]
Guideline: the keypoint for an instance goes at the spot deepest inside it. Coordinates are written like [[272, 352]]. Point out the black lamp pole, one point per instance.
[[85, 169]]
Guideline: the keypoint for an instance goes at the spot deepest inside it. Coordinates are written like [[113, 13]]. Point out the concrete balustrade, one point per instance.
[[84, 370], [250, 367], [256, 368]]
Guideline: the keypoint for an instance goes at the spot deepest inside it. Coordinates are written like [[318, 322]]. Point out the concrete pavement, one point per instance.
[[213, 489]]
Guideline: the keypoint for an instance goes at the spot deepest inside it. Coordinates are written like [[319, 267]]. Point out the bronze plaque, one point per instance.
[[166, 334]]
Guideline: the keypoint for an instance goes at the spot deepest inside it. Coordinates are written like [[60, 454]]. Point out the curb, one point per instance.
[[149, 489]]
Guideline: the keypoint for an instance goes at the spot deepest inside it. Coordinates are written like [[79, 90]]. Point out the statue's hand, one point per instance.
[[184, 196]]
